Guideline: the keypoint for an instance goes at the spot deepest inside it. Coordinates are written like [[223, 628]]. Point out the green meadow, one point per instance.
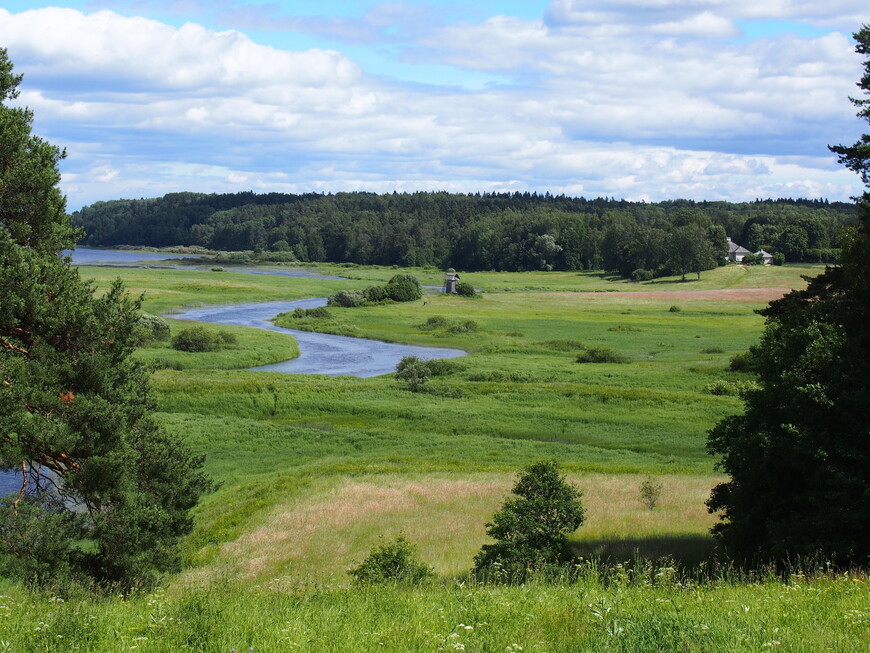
[[348, 459], [315, 470]]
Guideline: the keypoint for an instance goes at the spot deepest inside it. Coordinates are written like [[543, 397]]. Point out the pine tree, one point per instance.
[[104, 493]]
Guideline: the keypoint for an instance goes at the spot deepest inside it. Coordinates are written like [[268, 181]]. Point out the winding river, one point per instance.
[[320, 353]]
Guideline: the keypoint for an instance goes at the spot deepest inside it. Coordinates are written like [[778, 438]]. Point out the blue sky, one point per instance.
[[637, 99]]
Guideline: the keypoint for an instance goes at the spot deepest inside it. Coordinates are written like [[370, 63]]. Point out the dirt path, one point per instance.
[[728, 294]]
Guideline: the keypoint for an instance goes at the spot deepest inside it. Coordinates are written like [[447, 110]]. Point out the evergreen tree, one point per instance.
[[104, 492], [532, 527], [799, 456]]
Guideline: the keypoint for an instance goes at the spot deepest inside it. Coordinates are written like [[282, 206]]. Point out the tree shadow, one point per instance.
[[659, 283], [688, 551]]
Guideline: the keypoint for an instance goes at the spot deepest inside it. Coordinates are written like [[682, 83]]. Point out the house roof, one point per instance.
[[734, 248]]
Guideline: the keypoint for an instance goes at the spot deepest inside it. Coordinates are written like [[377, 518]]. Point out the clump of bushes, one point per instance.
[[713, 350], [375, 294], [319, 313], [675, 309], [400, 288], [433, 323], [621, 327], [416, 373], [465, 289], [465, 326], [736, 388], [347, 299], [404, 288], [151, 328], [600, 355], [439, 322], [392, 562], [200, 339], [741, 363], [642, 275]]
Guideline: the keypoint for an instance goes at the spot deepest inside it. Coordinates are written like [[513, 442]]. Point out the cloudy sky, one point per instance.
[[635, 99]]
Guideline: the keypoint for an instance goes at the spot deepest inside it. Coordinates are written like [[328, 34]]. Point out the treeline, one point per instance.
[[490, 231]]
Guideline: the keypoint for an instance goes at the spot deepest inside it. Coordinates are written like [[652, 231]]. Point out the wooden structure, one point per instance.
[[450, 281]]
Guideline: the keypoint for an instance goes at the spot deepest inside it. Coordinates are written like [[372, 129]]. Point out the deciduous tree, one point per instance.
[[532, 527], [799, 456]]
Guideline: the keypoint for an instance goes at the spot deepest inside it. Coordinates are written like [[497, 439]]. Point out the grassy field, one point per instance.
[[289, 449], [621, 612], [315, 469]]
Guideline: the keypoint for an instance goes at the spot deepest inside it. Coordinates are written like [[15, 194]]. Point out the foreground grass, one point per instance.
[[622, 611]]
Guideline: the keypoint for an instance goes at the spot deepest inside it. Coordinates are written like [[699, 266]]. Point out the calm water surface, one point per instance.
[[87, 256], [320, 353]]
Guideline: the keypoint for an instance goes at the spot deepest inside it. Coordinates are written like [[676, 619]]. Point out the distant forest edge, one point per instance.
[[491, 231]]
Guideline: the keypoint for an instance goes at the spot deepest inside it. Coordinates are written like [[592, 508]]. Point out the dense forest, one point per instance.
[[491, 231]]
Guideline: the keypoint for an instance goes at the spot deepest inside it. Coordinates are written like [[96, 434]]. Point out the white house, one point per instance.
[[766, 256], [736, 252]]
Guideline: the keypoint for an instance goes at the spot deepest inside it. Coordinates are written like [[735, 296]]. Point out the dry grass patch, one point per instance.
[[324, 535]]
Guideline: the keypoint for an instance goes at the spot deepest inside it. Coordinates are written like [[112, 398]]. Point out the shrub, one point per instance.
[[443, 367], [778, 258], [642, 275], [622, 327], [466, 326], [414, 372], [465, 289], [375, 294], [600, 355], [392, 562], [741, 363], [404, 288], [196, 339], [735, 388], [434, 322], [319, 313], [151, 328], [227, 338], [675, 309], [650, 491], [532, 527], [346, 299], [712, 350]]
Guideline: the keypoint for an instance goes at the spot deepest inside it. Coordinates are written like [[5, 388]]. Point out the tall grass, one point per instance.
[[616, 609]]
